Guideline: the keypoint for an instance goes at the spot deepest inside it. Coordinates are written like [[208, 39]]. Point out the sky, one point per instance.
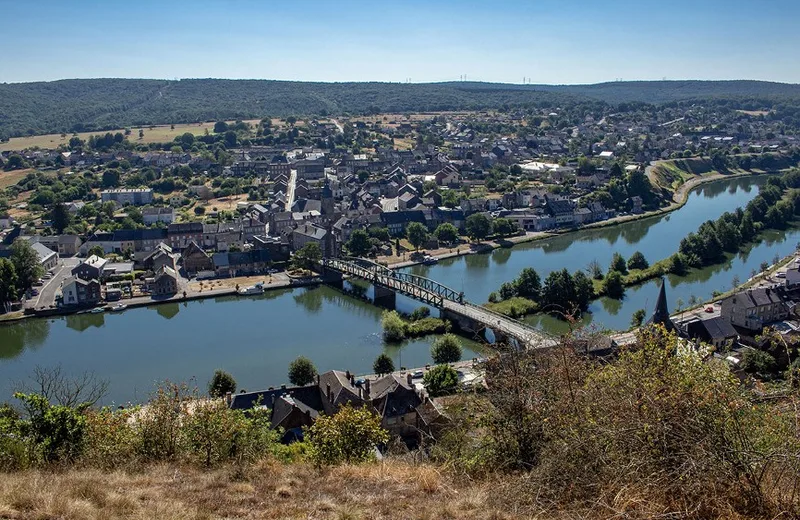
[[545, 41]]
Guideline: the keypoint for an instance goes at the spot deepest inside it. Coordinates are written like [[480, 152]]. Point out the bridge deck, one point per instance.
[[440, 296]]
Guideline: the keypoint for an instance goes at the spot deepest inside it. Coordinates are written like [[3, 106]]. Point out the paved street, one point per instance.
[[47, 292]]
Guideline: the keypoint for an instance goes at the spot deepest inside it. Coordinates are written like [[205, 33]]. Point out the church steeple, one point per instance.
[[661, 313]]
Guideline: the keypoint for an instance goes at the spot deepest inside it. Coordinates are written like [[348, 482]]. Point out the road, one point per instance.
[[338, 125], [290, 190], [47, 293], [532, 338]]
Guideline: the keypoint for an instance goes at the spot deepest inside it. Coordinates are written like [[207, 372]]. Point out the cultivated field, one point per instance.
[[155, 134], [10, 178]]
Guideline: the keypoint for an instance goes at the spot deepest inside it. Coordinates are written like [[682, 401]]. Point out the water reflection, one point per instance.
[[19, 336], [168, 310], [81, 322]]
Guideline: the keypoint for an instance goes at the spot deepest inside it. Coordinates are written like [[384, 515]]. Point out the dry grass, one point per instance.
[[11, 178], [158, 134], [269, 491]]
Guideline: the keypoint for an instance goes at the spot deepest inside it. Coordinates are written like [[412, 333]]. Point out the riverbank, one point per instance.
[[679, 198]]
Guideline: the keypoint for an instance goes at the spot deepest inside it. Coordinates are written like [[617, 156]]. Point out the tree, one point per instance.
[[618, 264], [529, 284], [638, 318], [446, 232], [302, 371], [440, 380], [111, 178], [60, 217], [478, 226], [141, 133], [446, 349], [394, 328], [595, 269], [349, 436], [735, 282], [637, 261], [220, 127], [359, 243], [613, 285], [221, 383], [383, 365], [15, 162], [503, 227], [758, 362], [82, 390], [26, 263], [307, 256], [8, 283], [417, 234]]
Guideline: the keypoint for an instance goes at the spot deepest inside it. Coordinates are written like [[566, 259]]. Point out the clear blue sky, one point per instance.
[[548, 41]]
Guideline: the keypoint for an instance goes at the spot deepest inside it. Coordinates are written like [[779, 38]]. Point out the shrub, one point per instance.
[[446, 349], [221, 383], [383, 365], [440, 380], [349, 436], [758, 362], [394, 328], [420, 313], [613, 285], [302, 371]]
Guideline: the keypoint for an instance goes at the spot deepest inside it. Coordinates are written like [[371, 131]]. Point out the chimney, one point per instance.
[[347, 375], [366, 388], [317, 379], [360, 393], [328, 393], [409, 378]]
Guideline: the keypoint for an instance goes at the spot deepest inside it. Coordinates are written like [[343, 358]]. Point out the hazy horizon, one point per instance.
[[545, 41]]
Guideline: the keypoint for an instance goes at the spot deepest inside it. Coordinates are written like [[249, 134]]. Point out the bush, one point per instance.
[[221, 383], [446, 349], [613, 285], [514, 307], [440, 380], [637, 261], [394, 328], [420, 313], [383, 365], [302, 371], [349, 436], [758, 362], [618, 264]]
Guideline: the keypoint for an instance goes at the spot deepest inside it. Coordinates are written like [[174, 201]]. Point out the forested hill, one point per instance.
[[96, 104]]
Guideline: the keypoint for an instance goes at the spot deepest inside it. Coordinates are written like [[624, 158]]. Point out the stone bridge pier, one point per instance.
[[478, 328], [384, 297]]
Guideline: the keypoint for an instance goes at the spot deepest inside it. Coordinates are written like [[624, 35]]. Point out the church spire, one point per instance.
[[661, 313]]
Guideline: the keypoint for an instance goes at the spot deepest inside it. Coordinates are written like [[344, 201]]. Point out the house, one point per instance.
[[255, 261], [561, 210], [7, 221], [715, 331], [793, 273], [48, 258], [68, 245], [397, 221], [136, 197], [181, 235], [165, 282], [195, 259], [161, 256], [754, 308], [90, 269], [151, 216], [393, 398], [636, 204], [308, 233], [76, 291], [582, 216]]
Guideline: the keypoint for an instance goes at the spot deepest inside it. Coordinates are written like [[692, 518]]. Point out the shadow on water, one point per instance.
[[23, 335], [168, 310], [81, 322]]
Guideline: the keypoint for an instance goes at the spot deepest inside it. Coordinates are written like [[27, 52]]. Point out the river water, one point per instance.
[[255, 338]]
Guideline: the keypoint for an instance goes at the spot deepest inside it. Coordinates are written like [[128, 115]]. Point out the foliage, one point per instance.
[[383, 364], [349, 436], [618, 264], [307, 256], [97, 251], [637, 261], [440, 380], [446, 349], [302, 371], [221, 383], [638, 317], [420, 313], [515, 307], [26, 264], [479, 226], [565, 294], [60, 217], [613, 285], [758, 362], [446, 232], [359, 243], [503, 227], [56, 432], [417, 234], [8, 282], [394, 328]]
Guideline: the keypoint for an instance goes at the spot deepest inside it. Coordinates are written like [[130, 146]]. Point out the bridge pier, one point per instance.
[[384, 297]]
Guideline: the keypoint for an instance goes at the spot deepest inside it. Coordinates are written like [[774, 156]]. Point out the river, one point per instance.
[[255, 338]]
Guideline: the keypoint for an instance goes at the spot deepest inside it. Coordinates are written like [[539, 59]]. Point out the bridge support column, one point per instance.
[[385, 297], [333, 278]]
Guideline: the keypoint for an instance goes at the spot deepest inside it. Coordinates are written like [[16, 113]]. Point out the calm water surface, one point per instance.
[[256, 338]]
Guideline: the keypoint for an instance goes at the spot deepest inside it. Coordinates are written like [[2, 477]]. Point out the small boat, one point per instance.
[[430, 260], [253, 289], [119, 307], [97, 310]]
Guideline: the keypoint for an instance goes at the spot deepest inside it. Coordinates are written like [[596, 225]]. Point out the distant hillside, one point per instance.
[[96, 104]]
